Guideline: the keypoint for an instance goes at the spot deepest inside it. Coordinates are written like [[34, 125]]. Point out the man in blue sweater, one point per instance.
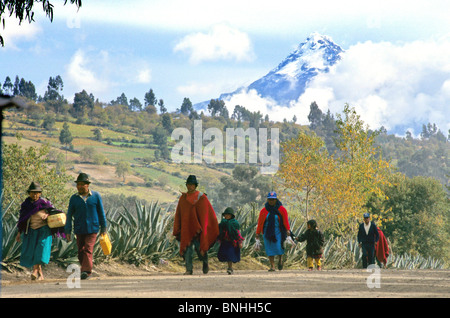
[[367, 237], [86, 209]]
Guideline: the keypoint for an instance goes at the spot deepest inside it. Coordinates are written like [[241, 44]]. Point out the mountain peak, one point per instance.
[[287, 82], [316, 38], [318, 52]]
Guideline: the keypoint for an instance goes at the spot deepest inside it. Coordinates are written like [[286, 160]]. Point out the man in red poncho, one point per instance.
[[195, 225], [382, 249]]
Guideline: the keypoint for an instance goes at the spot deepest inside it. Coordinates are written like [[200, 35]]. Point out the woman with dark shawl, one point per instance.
[[273, 223], [34, 232], [230, 240]]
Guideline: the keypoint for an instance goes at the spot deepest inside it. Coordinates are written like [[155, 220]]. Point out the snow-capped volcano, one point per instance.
[[288, 80]]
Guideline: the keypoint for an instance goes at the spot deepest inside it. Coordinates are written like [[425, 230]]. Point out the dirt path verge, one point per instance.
[[125, 281]]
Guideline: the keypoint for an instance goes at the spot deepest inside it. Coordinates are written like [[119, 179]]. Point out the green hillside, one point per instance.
[[152, 181]]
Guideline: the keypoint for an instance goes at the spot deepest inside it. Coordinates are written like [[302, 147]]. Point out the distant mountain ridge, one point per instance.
[[287, 81]]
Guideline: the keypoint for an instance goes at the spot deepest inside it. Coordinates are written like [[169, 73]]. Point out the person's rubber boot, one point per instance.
[[205, 268], [85, 275]]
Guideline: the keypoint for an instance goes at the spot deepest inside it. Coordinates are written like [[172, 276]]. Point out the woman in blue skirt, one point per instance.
[[34, 232], [273, 223], [230, 240]]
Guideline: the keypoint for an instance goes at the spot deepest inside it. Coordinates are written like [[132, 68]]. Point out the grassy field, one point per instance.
[[158, 181]]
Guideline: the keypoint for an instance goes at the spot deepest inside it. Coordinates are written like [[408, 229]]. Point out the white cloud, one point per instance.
[[250, 100], [389, 85], [268, 18], [144, 76], [13, 33], [222, 42], [81, 75], [445, 89], [197, 90], [104, 73]]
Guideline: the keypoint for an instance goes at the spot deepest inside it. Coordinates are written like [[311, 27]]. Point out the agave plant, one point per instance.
[[407, 261], [248, 219], [10, 247], [142, 235], [64, 252]]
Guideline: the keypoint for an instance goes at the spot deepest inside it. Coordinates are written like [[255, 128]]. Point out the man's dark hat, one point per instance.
[[228, 211], [34, 187], [83, 177], [191, 180]]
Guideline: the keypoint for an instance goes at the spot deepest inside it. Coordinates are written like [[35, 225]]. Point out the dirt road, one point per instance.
[[246, 284]]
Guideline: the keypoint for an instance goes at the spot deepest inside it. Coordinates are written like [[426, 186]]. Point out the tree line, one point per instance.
[[150, 120]]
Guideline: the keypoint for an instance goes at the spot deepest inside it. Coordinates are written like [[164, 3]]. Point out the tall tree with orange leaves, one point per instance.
[[362, 172], [304, 170], [335, 189]]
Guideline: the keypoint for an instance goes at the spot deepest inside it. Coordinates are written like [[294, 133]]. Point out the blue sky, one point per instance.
[[397, 53]]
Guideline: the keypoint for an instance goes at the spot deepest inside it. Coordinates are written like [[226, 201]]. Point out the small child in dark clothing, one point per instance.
[[230, 240], [314, 244]]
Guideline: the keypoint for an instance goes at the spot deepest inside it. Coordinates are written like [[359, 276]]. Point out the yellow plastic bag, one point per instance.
[[105, 243]]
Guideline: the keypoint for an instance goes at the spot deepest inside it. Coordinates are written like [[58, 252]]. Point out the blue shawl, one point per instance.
[[269, 233]]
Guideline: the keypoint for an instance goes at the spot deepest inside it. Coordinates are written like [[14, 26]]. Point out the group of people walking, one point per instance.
[[195, 227], [85, 217]]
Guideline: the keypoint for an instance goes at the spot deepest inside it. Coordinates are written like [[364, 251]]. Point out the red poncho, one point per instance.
[[382, 248], [195, 217]]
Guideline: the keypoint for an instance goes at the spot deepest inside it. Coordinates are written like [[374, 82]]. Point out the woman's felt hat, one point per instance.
[[228, 211], [34, 187]]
